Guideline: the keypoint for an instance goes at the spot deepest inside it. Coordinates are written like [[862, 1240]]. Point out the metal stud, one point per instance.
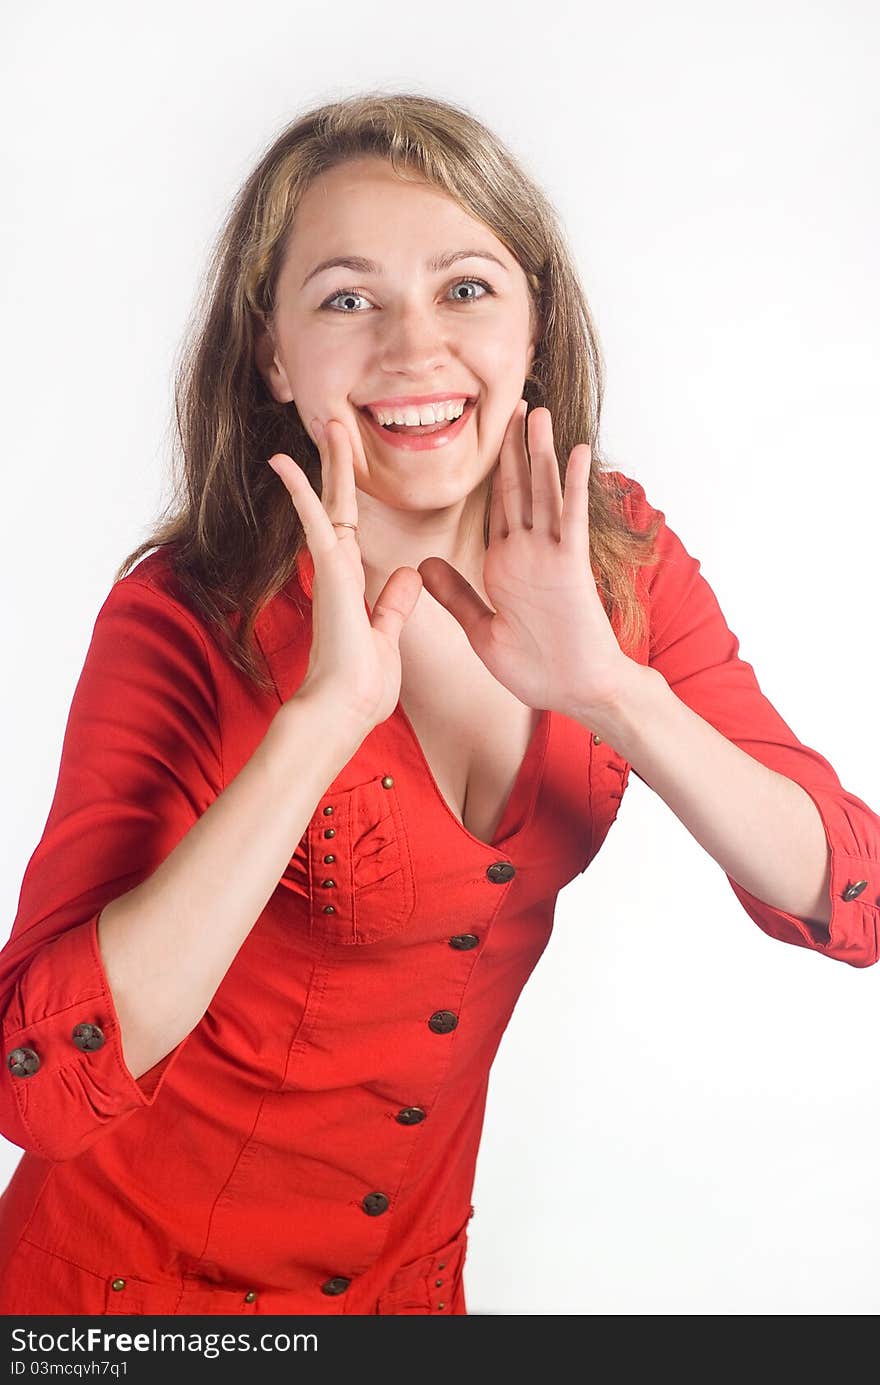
[[23, 1062], [88, 1036], [853, 891]]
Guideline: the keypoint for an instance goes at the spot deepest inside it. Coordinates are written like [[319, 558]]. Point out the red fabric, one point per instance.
[[230, 1178]]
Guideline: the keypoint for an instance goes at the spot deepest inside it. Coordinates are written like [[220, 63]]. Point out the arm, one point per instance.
[[801, 854], [167, 944], [129, 915], [761, 827]]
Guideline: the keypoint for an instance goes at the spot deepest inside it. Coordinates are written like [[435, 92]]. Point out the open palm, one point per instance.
[[548, 639]]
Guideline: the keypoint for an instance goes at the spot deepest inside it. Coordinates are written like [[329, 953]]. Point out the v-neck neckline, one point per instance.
[[536, 748], [538, 742]]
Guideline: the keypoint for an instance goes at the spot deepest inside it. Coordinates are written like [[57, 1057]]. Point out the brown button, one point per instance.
[[327, 812], [597, 740], [387, 782], [438, 1283], [501, 872], [328, 884], [118, 1284], [250, 1296], [328, 860], [463, 942], [23, 1062], [442, 1021], [335, 1286], [374, 1204], [410, 1115], [853, 891], [441, 1306], [88, 1037], [329, 909], [329, 831]]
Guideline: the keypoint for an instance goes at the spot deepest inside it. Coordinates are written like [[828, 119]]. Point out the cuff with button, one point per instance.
[[851, 934], [63, 1020]]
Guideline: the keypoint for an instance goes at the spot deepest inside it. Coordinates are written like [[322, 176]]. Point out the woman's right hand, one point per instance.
[[354, 657]]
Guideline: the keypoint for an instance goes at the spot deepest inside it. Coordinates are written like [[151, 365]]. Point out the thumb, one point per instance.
[[446, 584], [396, 602]]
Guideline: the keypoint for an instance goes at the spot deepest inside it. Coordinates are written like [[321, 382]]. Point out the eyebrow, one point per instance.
[[362, 266]]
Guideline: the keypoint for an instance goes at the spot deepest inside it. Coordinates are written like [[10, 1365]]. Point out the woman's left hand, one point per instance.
[[548, 639]]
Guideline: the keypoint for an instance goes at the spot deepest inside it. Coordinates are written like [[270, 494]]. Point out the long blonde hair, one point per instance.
[[232, 533]]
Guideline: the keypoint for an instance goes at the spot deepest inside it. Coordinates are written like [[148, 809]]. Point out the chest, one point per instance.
[[473, 733]]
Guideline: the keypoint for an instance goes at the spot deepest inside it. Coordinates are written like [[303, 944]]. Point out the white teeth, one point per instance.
[[425, 413]]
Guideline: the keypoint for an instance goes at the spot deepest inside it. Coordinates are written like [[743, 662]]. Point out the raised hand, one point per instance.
[[354, 656], [548, 638]]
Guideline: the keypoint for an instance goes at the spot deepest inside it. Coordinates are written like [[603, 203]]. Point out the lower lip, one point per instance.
[[422, 442]]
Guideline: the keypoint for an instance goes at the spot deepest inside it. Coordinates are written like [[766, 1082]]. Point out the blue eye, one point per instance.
[[356, 293], [483, 285]]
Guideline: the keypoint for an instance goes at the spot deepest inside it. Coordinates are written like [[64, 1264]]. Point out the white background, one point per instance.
[[683, 1116]]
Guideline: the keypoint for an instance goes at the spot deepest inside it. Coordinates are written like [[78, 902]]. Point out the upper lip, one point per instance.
[[403, 401]]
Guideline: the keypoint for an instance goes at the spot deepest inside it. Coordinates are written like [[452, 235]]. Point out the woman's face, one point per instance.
[[344, 337]]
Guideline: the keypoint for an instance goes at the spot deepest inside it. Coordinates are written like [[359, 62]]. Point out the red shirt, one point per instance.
[[311, 1146]]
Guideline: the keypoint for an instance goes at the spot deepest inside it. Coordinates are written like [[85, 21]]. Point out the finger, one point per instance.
[[497, 518], [575, 522], [446, 584], [320, 534], [546, 485], [396, 602], [513, 477], [338, 492]]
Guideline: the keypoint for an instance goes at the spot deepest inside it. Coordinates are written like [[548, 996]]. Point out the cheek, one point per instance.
[[307, 371], [320, 362], [501, 357]]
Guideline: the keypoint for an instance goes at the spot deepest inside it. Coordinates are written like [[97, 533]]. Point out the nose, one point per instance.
[[414, 342]]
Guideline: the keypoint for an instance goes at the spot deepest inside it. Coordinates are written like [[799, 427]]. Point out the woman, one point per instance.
[[330, 760]]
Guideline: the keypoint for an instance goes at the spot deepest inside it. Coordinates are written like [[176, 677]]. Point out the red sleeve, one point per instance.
[[698, 655], [140, 762]]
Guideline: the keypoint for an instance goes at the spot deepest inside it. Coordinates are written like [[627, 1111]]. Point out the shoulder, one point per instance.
[[154, 580], [627, 494], [670, 576], [156, 572], [149, 604]]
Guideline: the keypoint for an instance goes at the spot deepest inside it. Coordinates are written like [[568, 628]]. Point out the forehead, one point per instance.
[[362, 204]]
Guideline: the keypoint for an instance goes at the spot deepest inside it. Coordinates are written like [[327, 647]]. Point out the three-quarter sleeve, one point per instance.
[[140, 762], [694, 649]]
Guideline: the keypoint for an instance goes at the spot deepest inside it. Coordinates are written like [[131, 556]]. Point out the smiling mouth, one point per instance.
[[422, 429]]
